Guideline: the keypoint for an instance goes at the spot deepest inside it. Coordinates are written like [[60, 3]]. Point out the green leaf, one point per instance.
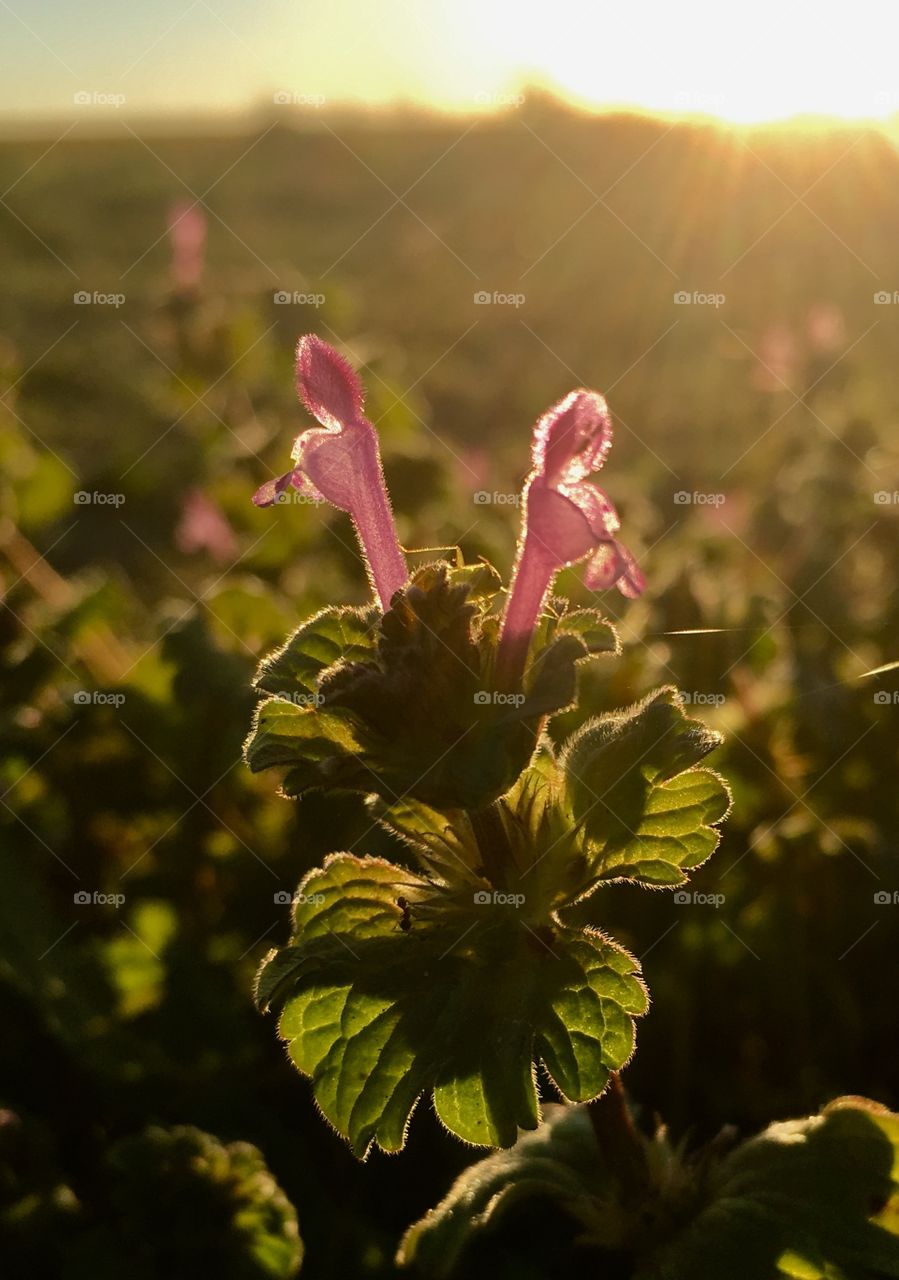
[[811, 1199], [815, 1198], [393, 986], [334, 635], [560, 1162], [315, 747], [180, 1194], [646, 812]]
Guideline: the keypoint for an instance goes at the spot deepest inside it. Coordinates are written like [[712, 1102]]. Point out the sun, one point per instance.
[[742, 65]]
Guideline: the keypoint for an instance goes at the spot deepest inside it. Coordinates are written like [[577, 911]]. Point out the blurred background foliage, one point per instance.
[[130, 632]]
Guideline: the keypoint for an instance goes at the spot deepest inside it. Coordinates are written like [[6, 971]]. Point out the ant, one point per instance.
[[406, 920]]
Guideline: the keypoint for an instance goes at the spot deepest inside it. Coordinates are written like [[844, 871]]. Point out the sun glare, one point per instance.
[[772, 63]]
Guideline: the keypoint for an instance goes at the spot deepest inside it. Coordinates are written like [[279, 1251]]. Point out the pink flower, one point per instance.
[[204, 527], [340, 462], [565, 519], [187, 232]]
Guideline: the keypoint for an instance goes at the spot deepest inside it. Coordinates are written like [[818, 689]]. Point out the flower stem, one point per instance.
[[618, 1139]]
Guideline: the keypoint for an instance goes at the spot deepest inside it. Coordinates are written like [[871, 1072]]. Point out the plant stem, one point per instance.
[[619, 1140], [493, 842]]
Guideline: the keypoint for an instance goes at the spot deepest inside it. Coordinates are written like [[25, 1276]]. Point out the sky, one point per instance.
[[745, 63]]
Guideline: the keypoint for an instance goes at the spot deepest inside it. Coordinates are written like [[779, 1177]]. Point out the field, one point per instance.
[[721, 289]]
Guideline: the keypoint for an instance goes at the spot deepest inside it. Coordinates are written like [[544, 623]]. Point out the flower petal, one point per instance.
[[632, 582], [327, 385], [604, 568], [556, 526], [596, 506], [269, 493], [613, 565], [573, 438]]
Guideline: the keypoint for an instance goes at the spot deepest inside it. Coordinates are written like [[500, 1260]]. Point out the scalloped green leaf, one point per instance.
[[560, 1162], [646, 813], [314, 747], [813, 1199], [331, 636], [393, 986], [810, 1199]]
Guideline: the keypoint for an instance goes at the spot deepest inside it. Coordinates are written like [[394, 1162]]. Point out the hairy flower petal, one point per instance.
[[327, 385], [573, 438]]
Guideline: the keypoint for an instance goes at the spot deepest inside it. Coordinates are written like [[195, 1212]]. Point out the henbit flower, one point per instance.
[[565, 519], [340, 462], [187, 232]]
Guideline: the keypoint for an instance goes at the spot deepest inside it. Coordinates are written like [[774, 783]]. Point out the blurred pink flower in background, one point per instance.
[[187, 232], [778, 359], [826, 327], [203, 526]]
